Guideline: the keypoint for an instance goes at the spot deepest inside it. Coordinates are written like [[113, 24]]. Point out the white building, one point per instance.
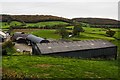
[[2, 34]]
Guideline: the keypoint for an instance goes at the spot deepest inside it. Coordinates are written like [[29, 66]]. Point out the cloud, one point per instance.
[[59, 0], [64, 9]]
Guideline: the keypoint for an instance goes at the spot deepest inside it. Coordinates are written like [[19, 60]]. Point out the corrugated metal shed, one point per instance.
[[73, 46], [19, 35], [85, 46], [35, 39]]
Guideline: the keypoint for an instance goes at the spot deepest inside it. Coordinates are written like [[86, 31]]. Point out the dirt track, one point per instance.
[[23, 47]]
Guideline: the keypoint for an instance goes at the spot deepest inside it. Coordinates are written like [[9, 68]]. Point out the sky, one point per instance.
[[59, 0], [62, 8]]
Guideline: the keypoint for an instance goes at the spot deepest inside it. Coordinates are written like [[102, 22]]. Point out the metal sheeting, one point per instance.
[[19, 35], [56, 47], [34, 39]]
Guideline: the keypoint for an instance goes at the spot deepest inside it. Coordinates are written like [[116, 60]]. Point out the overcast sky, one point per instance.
[[69, 9], [59, 0]]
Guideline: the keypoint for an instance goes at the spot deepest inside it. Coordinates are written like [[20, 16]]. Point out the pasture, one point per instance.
[[49, 23], [5, 25], [90, 33], [24, 66], [57, 67]]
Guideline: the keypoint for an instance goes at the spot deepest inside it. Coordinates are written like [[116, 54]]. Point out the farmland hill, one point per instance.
[[97, 21], [32, 18]]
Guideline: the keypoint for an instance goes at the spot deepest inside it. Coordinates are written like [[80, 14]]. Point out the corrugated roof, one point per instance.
[[55, 47], [34, 39], [18, 35]]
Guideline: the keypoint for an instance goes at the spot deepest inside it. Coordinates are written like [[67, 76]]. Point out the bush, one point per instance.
[[110, 33], [63, 32], [8, 47], [8, 44]]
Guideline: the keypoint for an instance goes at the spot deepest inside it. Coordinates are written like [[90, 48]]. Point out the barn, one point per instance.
[[78, 49], [34, 39], [21, 37]]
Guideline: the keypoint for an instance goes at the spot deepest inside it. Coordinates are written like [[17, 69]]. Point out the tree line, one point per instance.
[[33, 18], [98, 21]]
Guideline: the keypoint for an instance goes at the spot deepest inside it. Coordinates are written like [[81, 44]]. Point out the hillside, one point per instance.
[[32, 18], [38, 18], [94, 22], [97, 21]]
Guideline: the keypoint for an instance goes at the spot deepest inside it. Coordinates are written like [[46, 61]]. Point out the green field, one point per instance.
[[51, 67], [58, 67], [5, 25], [49, 23], [88, 34], [46, 34]]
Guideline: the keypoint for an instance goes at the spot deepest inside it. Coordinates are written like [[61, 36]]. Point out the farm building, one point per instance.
[[78, 49], [19, 37], [35, 39], [27, 38], [2, 34]]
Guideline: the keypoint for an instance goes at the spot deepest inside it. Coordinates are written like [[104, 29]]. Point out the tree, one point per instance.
[[85, 25], [77, 29], [110, 33], [63, 32]]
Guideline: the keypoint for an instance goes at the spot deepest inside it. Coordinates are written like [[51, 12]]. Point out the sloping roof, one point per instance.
[[56, 47], [34, 39]]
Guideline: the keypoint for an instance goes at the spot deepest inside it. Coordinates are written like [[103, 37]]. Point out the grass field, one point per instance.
[[49, 23], [51, 67], [5, 25], [46, 34], [98, 33], [58, 67]]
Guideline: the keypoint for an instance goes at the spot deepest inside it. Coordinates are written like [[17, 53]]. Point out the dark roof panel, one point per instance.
[[34, 39], [19, 35], [55, 47]]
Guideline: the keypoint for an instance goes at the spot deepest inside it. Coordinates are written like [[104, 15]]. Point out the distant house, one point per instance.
[[78, 49], [2, 34], [27, 38]]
